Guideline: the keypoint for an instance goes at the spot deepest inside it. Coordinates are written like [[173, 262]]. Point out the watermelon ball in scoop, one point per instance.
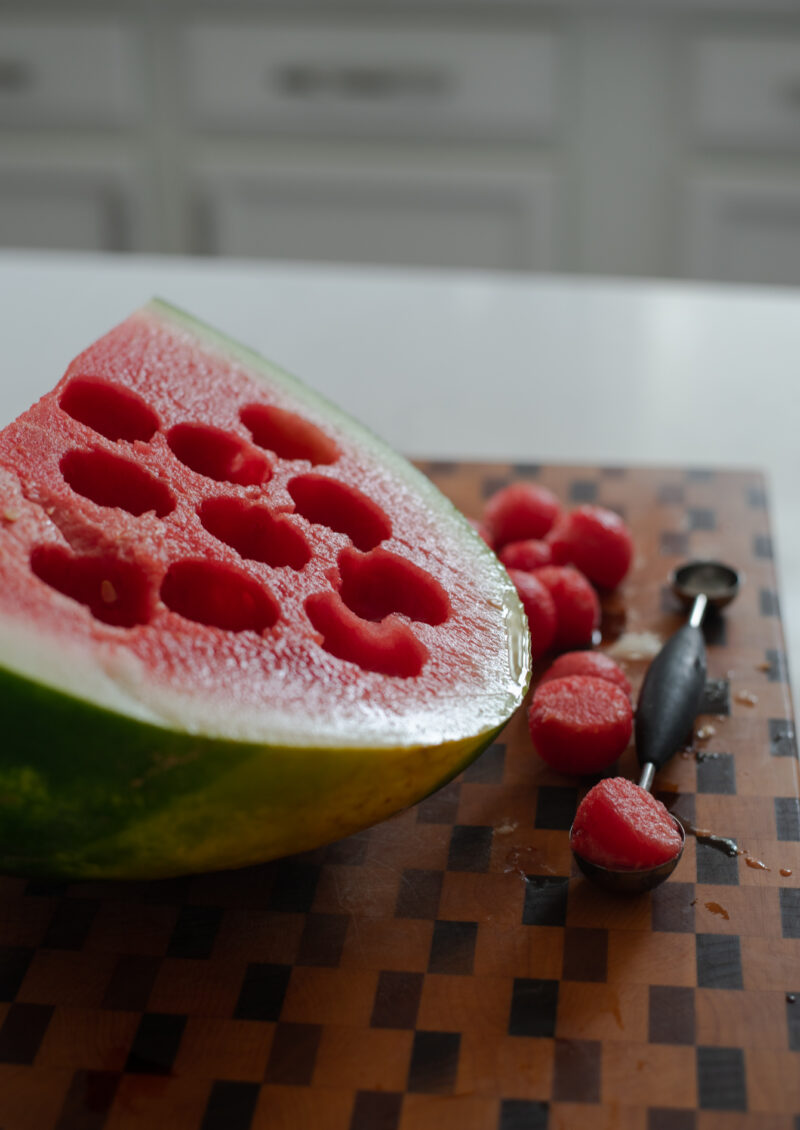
[[539, 608], [622, 827], [580, 724], [577, 605], [520, 511], [595, 663], [530, 554], [597, 541]]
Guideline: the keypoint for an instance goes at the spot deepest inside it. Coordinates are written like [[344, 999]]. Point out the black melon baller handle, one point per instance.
[[671, 694]]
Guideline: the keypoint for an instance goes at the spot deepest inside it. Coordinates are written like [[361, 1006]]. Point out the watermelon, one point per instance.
[[579, 723], [622, 827], [235, 625]]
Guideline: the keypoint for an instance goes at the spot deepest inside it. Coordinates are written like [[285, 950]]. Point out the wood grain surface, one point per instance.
[[448, 970]]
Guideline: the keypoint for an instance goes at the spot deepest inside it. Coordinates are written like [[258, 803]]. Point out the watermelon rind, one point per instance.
[[103, 775]]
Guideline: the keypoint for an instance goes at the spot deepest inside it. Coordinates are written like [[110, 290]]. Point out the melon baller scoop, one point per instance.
[[668, 703]]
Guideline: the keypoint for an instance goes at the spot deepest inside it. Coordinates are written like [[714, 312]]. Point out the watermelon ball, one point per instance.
[[539, 608], [620, 826], [520, 511], [597, 541], [594, 663], [580, 724], [529, 554], [577, 605]]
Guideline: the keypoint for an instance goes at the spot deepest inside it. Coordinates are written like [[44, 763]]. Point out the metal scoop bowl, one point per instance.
[[631, 881], [668, 703]]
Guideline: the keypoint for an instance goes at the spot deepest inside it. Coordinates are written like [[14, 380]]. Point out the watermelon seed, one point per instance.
[[108, 594], [116, 592]]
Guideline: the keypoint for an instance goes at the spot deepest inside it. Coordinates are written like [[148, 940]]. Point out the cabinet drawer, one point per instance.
[[420, 218], [383, 79], [747, 91], [70, 72]]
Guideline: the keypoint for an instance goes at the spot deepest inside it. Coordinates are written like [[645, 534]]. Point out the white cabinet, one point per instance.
[[69, 202], [75, 72], [73, 101], [747, 91], [420, 139], [366, 78], [743, 229], [371, 213], [584, 136], [742, 194], [368, 106]]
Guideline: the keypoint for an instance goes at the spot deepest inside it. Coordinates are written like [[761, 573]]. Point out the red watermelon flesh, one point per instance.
[[186, 533], [622, 827], [233, 623]]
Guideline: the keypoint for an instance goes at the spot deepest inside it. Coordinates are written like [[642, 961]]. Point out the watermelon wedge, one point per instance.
[[235, 625]]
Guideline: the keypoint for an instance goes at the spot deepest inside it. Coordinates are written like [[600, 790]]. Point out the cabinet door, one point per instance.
[[743, 229], [448, 219], [46, 204], [83, 72], [746, 91]]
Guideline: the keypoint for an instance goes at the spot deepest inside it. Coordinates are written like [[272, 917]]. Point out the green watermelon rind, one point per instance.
[[87, 793], [92, 792]]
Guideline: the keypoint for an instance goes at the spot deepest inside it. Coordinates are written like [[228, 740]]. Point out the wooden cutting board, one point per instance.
[[448, 969]]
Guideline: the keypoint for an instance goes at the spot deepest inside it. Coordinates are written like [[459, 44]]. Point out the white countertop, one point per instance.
[[482, 366]]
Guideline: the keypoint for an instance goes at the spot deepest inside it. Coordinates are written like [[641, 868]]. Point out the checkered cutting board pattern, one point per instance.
[[447, 969]]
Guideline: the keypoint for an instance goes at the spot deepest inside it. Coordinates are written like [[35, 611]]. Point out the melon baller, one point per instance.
[[668, 703]]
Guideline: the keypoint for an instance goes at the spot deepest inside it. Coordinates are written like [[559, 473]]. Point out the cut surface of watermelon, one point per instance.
[[235, 624]]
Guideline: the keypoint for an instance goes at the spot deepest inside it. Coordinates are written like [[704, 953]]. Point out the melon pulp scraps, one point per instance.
[[622, 827], [539, 608], [234, 623], [597, 541], [597, 664], [520, 511], [579, 723]]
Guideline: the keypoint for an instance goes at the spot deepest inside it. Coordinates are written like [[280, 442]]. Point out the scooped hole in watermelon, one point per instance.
[[116, 413], [388, 648], [115, 591], [110, 480], [218, 596], [341, 508], [218, 454], [287, 434], [255, 532], [375, 584]]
